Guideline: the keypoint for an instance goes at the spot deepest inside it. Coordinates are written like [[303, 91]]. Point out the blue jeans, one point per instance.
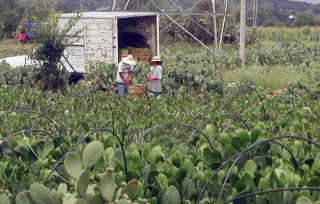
[[155, 94], [122, 89]]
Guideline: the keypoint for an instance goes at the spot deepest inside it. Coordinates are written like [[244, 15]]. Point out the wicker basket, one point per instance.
[[137, 90]]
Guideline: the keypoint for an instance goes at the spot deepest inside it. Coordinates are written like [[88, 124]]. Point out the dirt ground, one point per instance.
[[9, 48], [14, 47]]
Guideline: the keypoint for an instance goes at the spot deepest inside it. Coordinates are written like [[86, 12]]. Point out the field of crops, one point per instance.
[[97, 148], [218, 133]]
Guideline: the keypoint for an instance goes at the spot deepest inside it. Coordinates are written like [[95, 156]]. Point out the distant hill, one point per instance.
[[277, 12], [283, 7], [290, 6], [309, 1]]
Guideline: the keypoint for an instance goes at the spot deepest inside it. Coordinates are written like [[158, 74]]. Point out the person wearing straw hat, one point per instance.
[[156, 76], [124, 69]]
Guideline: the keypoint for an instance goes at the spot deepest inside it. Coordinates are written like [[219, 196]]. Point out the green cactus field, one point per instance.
[[218, 133]]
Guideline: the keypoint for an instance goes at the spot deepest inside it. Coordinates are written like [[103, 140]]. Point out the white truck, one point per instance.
[[105, 33]]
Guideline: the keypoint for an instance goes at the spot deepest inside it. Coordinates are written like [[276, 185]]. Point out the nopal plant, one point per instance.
[[51, 42], [87, 187]]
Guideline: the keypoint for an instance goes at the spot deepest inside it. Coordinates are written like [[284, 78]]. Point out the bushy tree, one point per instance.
[[10, 15], [37, 10], [64, 7], [273, 22], [273, 17], [50, 45], [304, 19], [317, 20]]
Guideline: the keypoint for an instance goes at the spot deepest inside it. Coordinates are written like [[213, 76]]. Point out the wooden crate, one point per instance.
[[144, 52], [144, 59], [124, 52], [144, 56], [134, 53], [137, 90]]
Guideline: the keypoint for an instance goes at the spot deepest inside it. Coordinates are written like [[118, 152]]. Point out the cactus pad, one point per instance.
[[83, 183], [130, 189], [107, 186], [172, 196], [40, 194], [73, 165], [4, 199], [92, 153]]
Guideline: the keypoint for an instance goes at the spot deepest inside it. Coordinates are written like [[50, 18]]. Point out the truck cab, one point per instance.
[[29, 30]]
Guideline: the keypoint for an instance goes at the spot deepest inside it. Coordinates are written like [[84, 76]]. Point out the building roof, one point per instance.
[[106, 15]]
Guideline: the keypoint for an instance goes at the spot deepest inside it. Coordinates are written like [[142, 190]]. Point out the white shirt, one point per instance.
[[155, 85], [124, 69]]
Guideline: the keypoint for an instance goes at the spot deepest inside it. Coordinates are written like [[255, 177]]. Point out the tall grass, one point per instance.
[[269, 77], [306, 33]]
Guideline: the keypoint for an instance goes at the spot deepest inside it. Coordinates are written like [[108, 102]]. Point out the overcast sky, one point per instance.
[[309, 1]]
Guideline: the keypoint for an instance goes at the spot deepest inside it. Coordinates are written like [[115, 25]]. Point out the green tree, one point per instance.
[[273, 17], [273, 22], [146, 5], [36, 11], [51, 42], [64, 7], [304, 19], [317, 20], [10, 14]]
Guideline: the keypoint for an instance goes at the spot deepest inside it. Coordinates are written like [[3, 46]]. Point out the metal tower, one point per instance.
[[230, 7], [251, 10]]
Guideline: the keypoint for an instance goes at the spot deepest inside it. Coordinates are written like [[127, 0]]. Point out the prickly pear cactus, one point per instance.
[[73, 165], [92, 153], [41, 194], [124, 201], [130, 189], [172, 196], [97, 199], [84, 190], [62, 190], [112, 160], [107, 185], [4, 199], [81, 201], [22, 198], [83, 183]]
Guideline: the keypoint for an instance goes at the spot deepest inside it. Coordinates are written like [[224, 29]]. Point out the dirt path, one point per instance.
[[9, 48], [14, 47]]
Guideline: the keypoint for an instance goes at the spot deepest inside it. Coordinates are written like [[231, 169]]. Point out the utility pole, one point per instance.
[[114, 5], [224, 21], [242, 32], [215, 25], [255, 13]]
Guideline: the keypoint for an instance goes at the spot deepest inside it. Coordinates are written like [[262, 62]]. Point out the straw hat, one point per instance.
[[156, 59], [129, 60]]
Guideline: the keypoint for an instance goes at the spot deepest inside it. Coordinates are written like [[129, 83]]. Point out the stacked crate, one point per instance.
[[122, 53], [144, 54], [134, 53]]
